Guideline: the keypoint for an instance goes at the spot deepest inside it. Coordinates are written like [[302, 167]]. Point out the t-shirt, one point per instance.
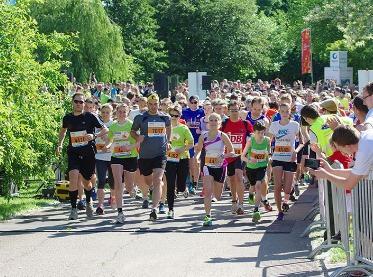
[[237, 133], [369, 119], [120, 134], [153, 128], [364, 154], [284, 139], [80, 125], [133, 114], [104, 98], [193, 120], [100, 144], [180, 136]]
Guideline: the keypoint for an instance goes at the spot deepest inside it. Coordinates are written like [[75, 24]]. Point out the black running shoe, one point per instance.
[[285, 207], [153, 215]]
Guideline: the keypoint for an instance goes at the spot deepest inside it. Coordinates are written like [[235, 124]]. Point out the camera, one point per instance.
[[312, 163]]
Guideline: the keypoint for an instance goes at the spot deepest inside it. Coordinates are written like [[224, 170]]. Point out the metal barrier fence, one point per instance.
[[362, 228]]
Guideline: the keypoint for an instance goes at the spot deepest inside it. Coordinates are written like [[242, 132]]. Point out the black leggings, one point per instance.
[[176, 173]]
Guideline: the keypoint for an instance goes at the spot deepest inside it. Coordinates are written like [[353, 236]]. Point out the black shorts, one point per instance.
[[300, 155], [232, 166], [82, 159], [129, 164], [218, 173], [286, 166], [146, 166], [255, 174]]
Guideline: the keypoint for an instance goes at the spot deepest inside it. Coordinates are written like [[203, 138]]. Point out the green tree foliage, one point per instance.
[[139, 32], [29, 115], [229, 39], [99, 41]]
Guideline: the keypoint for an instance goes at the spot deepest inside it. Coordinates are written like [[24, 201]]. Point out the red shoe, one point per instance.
[[267, 206]]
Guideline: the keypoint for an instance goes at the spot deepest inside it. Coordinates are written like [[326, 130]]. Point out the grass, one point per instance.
[[25, 202]]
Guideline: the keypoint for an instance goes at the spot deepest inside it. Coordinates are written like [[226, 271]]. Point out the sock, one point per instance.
[[73, 197], [120, 210], [88, 195]]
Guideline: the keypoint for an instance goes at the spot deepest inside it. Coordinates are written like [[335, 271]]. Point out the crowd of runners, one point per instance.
[[242, 137]]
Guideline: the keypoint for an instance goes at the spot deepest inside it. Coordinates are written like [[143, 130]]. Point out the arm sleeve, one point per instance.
[[136, 123]]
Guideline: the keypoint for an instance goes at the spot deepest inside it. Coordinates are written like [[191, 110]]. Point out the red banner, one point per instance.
[[306, 52]]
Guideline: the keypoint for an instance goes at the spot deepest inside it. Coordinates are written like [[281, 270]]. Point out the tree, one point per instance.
[[99, 41], [29, 115], [139, 30], [226, 38]]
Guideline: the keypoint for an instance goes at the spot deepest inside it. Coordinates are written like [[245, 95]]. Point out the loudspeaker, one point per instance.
[[161, 85], [206, 82]]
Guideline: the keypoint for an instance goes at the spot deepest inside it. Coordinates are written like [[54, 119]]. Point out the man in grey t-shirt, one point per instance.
[[155, 132]]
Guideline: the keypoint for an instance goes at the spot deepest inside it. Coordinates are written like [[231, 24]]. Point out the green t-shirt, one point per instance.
[[180, 136], [120, 135], [104, 98], [259, 152]]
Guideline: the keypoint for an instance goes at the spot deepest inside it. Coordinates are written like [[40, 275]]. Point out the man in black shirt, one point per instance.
[[81, 150]]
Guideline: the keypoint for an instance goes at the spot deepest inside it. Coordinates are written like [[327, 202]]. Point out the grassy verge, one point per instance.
[[19, 205], [25, 202]]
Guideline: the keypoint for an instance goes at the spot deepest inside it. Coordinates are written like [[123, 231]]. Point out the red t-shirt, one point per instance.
[[237, 132], [182, 121], [270, 113], [343, 159]]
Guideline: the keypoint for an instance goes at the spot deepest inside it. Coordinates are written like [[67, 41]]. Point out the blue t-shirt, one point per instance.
[[293, 116], [193, 120]]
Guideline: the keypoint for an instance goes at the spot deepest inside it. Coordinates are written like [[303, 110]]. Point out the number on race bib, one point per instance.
[[283, 149], [156, 129], [78, 138], [173, 156]]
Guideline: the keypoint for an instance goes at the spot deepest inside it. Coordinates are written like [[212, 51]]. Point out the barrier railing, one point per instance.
[[362, 228]]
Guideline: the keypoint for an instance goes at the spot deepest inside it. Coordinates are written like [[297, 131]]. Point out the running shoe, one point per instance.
[[89, 210], [94, 194], [161, 208], [81, 205], [186, 193], [240, 210], [296, 190], [234, 207], [251, 199], [280, 216], [100, 211], [73, 214], [267, 206], [171, 214], [207, 221], [285, 207], [153, 215], [120, 218], [292, 198], [145, 204], [191, 189], [214, 199], [256, 216]]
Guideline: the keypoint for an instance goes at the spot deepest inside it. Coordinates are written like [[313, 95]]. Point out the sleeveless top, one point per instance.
[[253, 121], [214, 149]]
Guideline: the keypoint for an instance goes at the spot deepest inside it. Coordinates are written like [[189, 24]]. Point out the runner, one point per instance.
[[192, 115], [214, 166], [238, 131], [81, 150], [155, 132], [256, 155], [177, 166], [103, 157], [284, 132], [124, 157]]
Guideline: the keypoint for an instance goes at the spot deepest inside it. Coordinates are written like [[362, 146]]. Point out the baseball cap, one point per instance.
[[329, 105]]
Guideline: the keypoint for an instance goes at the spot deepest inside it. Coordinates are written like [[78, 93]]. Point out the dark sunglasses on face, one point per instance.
[[174, 115], [78, 102]]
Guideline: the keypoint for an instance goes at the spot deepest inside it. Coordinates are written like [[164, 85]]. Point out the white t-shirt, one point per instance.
[[103, 156], [284, 139], [364, 155], [369, 119], [133, 114]]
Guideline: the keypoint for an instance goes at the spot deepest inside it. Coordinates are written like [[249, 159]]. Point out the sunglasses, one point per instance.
[[78, 102], [193, 102], [174, 115]]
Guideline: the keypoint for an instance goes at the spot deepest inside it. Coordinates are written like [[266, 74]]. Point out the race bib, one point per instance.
[[117, 136], [156, 129], [259, 155], [119, 149], [237, 148], [283, 149], [100, 145], [172, 156], [211, 161], [78, 138]]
